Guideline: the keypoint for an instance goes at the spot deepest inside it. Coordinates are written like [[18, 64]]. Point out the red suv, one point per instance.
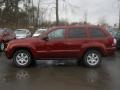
[[85, 43], [6, 35]]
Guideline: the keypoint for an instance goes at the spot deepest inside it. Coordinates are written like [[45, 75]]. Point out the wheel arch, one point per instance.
[[24, 48], [94, 48]]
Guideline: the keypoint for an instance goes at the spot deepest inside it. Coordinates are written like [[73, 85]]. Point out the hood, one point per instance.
[[26, 40]]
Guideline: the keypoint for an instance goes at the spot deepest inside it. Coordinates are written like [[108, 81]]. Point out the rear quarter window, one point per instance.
[[96, 32]]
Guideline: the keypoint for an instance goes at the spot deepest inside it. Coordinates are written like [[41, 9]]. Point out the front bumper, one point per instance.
[[8, 53]]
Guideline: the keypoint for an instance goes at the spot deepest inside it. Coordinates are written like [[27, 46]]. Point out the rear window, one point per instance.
[[96, 32], [76, 33]]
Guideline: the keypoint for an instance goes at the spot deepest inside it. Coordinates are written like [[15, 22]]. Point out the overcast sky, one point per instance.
[[74, 10]]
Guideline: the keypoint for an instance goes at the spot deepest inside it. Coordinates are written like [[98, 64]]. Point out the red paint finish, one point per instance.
[[45, 48]]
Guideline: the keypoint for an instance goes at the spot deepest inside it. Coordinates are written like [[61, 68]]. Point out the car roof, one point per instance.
[[75, 26]]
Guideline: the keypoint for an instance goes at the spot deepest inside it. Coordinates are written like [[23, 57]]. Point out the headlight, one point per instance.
[[2, 46]]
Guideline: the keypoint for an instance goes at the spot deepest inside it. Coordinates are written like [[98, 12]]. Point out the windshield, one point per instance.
[[20, 31]]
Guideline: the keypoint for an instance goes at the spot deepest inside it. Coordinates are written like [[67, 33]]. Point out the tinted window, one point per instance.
[[95, 32], [57, 34], [76, 33]]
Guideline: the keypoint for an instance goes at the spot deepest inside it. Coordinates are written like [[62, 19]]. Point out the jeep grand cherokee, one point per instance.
[[87, 43]]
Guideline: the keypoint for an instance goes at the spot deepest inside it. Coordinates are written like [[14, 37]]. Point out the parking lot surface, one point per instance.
[[66, 76]]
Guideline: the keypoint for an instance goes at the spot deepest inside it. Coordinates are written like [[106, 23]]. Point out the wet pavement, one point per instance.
[[66, 76]]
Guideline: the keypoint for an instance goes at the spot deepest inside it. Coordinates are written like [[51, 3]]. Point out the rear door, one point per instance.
[[76, 37]]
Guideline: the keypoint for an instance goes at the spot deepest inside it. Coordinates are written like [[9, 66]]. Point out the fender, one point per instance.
[[13, 47], [95, 45]]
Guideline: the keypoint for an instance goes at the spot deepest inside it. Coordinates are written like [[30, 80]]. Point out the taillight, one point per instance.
[[114, 42]]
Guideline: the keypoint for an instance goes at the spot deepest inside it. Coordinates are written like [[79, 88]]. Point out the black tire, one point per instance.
[[27, 61], [94, 62]]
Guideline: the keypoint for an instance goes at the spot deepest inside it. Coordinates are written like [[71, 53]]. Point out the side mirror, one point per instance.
[[45, 38]]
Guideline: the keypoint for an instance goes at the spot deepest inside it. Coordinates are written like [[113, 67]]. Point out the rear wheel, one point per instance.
[[92, 58], [22, 58]]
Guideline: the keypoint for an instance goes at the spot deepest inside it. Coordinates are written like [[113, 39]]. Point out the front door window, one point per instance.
[[57, 34]]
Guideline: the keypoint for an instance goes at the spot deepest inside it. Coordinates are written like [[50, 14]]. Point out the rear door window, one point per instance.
[[76, 33]]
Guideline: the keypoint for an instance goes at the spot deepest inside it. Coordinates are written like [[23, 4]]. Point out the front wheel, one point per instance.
[[22, 58], [92, 58]]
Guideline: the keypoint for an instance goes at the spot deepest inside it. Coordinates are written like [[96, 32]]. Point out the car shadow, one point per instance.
[[0, 54], [56, 63]]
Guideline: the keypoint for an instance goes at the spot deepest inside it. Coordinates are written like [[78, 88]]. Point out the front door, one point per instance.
[[56, 43]]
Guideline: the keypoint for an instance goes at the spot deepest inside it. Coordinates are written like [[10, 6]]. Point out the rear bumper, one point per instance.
[[110, 51]]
